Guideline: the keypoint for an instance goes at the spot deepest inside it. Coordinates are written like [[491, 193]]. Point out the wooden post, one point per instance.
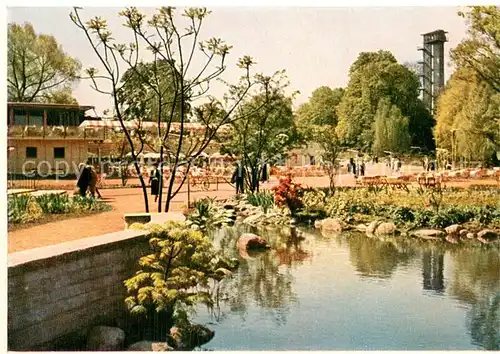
[[44, 121], [189, 191], [99, 155], [11, 115]]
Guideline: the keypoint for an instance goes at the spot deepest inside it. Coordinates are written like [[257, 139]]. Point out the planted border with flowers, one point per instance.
[[25, 208], [416, 209]]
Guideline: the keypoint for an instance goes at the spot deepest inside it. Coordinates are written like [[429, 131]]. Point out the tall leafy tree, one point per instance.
[[316, 122], [140, 98], [467, 117], [374, 76], [63, 96], [37, 66], [391, 130], [265, 128], [480, 51]]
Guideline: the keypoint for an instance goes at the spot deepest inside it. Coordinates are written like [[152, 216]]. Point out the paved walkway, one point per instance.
[[125, 200]]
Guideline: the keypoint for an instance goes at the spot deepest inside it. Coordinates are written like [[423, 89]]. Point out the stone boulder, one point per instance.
[[453, 229], [104, 338], [254, 218], [487, 234], [252, 242], [470, 235], [317, 224], [386, 229], [370, 229], [463, 233], [148, 346], [190, 336], [331, 225], [429, 234], [451, 238], [360, 227]]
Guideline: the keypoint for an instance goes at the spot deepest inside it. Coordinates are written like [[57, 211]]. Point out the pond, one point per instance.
[[351, 292]]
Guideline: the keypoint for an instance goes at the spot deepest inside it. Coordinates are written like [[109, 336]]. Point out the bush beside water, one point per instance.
[[416, 209]]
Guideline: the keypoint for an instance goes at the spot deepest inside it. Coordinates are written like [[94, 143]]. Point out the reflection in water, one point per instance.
[[267, 286], [261, 277], [433, 265], [476, 281], [483, 322], [373, 257]]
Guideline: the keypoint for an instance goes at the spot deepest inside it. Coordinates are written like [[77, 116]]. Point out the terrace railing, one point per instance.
[[20, 181], [55, 132]]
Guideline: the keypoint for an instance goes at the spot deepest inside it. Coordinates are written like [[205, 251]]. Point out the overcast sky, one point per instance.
[[315, 45]]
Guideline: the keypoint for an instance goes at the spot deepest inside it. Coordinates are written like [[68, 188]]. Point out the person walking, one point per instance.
[[83, 179], [93, 183], [264, 174], [239, 177], [154, 181]]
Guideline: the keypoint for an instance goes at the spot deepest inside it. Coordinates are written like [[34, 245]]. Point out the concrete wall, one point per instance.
[[58, 290]]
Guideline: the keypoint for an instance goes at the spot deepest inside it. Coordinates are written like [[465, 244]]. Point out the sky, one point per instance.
[[315, 45]]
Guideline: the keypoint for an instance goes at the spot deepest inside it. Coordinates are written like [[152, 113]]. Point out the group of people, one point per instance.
[[87, 181], [356, 167], [239, 174], [395, 164], [429, 165]]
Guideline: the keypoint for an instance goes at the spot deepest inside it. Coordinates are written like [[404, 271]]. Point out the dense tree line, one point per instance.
[[468, 111]]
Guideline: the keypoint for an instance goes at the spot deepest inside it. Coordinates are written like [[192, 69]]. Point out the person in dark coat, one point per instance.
[[154, 181], [83, 179], [264, 175], [239, 178]]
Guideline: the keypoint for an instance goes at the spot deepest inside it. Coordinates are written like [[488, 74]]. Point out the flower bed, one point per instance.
[[26, 208]]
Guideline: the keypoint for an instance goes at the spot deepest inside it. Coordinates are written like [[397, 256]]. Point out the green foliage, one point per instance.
[[37, 67], [177, 274], [374, 76], [391, 129], [414, 210], [16, 207], [467, 117], [26, 208], [264, 199], [146, 87], [207, 214], [316, 122], [54, 203], [480, 50], [264, 128]]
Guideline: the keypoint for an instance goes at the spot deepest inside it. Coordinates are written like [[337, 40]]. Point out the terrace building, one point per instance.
[[47, 137], [50, 139]]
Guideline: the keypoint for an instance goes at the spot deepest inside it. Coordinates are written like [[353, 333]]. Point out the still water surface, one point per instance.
[[351, 292]]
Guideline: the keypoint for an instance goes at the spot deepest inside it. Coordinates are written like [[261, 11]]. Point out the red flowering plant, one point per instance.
[[288, 194]]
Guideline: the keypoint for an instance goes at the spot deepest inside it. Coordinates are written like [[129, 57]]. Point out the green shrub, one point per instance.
[[264, 199], [178, 274], [16, 207], [54, 203], [25, 208], [208, 214], [402, 215]]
